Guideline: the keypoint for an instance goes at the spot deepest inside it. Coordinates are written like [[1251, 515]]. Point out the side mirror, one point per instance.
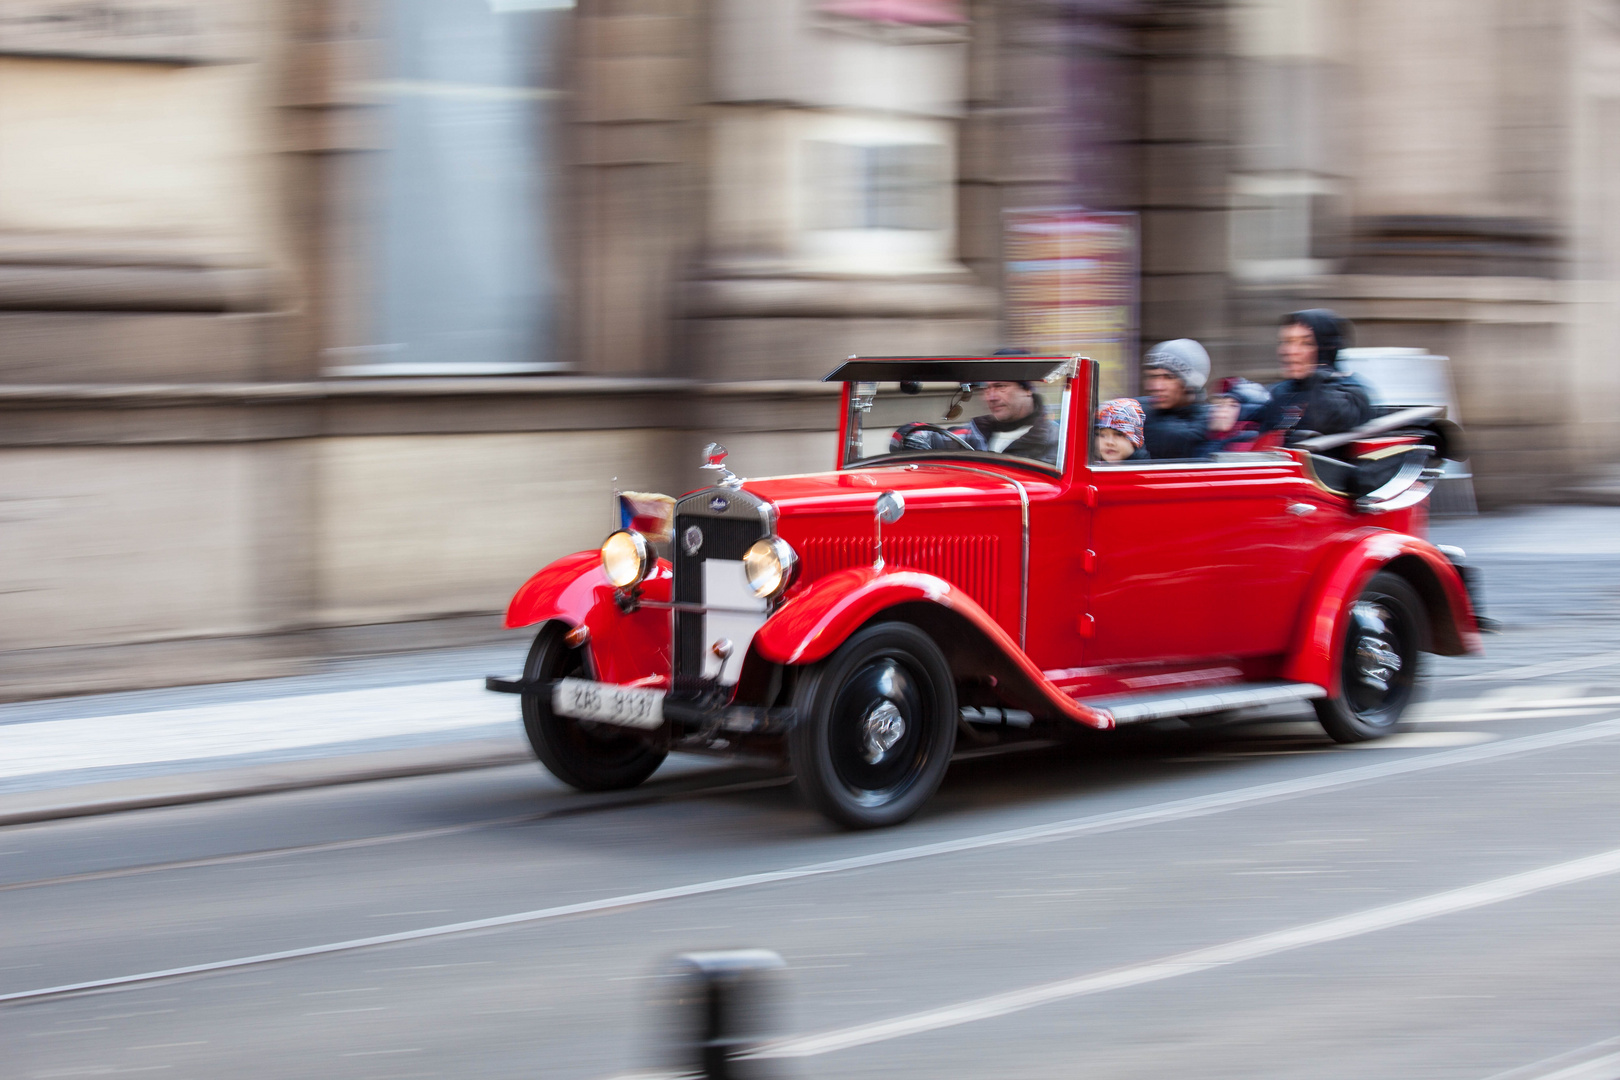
[[890, 506]]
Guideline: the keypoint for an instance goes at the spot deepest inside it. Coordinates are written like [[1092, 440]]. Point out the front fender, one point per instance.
[[624, 647], [813, 624], [1452, 628]]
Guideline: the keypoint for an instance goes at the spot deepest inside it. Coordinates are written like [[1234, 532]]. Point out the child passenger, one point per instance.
[[1119, 431], [1232, 409]]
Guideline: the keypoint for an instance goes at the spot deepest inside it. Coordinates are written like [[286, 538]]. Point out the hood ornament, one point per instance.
[[714, 459]]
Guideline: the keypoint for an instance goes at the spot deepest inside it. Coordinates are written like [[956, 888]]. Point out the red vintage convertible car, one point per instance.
[[931, 590]]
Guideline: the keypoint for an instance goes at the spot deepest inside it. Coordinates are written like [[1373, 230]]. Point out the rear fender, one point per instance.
[[624, 647], [1452, 629], [813, 624]]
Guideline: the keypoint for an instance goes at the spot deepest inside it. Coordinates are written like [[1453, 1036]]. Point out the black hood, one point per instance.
[[1330, 330]]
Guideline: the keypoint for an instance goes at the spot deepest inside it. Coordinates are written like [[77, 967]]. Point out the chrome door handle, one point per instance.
[[1299, 509]]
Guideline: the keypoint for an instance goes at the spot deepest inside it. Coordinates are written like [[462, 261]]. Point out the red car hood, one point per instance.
[[854, 490]]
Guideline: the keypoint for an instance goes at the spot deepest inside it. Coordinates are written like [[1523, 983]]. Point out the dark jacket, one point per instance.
[[1039, 443], [1174, 433], [1325, 402]]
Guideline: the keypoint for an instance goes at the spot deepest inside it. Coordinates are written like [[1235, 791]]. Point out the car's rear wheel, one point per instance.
[[581, 753], [1379, 655], [876, 726]]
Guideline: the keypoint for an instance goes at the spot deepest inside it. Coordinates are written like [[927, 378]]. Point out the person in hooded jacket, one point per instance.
[[1173, 375], [1314, 396]]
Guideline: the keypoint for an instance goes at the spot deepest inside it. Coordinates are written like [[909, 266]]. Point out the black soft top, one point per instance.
[[949, 369]]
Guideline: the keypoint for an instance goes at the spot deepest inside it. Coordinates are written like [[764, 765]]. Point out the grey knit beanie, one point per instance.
[[1184, 358]]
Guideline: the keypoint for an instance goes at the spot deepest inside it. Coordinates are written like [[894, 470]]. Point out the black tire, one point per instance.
[[583, 755], [876, 726], [1379, 657]]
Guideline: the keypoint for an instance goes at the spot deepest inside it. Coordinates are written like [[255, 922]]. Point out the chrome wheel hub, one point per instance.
[[882, 727], [1377, 662]]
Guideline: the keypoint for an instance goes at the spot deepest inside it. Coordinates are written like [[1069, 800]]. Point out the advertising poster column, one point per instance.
[[1071, 287]]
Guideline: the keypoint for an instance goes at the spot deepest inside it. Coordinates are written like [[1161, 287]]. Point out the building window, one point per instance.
[[462, 273], [897, 186]]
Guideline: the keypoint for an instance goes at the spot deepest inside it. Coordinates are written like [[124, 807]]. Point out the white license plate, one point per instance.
[[626, 706]]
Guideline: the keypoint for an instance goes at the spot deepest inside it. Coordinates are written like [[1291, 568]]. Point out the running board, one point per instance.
[[1137, 708]]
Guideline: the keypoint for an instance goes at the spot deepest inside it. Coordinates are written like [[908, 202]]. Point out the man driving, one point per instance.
[[1016, 424]]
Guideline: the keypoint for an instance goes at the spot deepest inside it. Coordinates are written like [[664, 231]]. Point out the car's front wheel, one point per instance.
[[581, 753], [1379, 655], [876, 726]]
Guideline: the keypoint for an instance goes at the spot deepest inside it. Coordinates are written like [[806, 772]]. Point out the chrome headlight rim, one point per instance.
[[639, 550], [770, 566]]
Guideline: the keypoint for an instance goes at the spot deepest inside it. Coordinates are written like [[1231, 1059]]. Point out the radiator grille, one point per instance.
[[967, 562], [723, 538]]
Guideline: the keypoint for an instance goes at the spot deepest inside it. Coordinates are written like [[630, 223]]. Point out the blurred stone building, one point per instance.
[[325, 322]]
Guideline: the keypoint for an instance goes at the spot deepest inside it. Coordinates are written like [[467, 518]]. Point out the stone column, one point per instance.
[[831, 223]]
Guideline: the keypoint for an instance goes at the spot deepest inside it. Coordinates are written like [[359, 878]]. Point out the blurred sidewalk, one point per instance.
[[363, 719]]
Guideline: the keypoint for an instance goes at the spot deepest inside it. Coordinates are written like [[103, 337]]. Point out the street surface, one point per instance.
[[1251, 901]]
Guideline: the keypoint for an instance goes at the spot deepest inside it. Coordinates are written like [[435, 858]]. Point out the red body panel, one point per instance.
[[1203, 561], [625, 648]]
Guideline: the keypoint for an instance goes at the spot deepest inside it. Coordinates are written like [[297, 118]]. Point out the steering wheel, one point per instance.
[[951, 435]]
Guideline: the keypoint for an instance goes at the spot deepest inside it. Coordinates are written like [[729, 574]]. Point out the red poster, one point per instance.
[[1071, 288]]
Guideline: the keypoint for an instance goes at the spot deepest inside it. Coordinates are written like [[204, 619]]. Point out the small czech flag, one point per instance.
[[650, 514]]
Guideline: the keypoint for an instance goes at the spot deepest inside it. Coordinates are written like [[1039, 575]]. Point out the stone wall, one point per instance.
[[1436, 173], [159, 534]]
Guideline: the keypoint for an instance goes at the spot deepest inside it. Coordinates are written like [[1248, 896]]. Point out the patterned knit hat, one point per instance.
[[1125, 416]]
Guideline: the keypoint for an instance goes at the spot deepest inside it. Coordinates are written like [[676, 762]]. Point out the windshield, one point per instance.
[[1026, 421]]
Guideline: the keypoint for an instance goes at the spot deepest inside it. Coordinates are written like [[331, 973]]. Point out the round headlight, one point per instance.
[[770, 565], [626, 558]]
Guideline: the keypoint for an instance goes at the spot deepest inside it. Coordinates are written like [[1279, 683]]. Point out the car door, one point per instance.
[[1199, 560], [1151, 575]]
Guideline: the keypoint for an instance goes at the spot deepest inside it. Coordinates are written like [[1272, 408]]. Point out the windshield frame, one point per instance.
[[1063, 376]]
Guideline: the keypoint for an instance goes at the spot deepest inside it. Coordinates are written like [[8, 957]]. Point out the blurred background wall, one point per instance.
[[323, 323]]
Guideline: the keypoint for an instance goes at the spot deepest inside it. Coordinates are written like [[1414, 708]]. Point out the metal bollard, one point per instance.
[[724, 1003]]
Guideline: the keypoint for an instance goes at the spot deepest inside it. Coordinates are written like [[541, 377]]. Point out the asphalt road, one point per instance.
[[1246, 902]]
